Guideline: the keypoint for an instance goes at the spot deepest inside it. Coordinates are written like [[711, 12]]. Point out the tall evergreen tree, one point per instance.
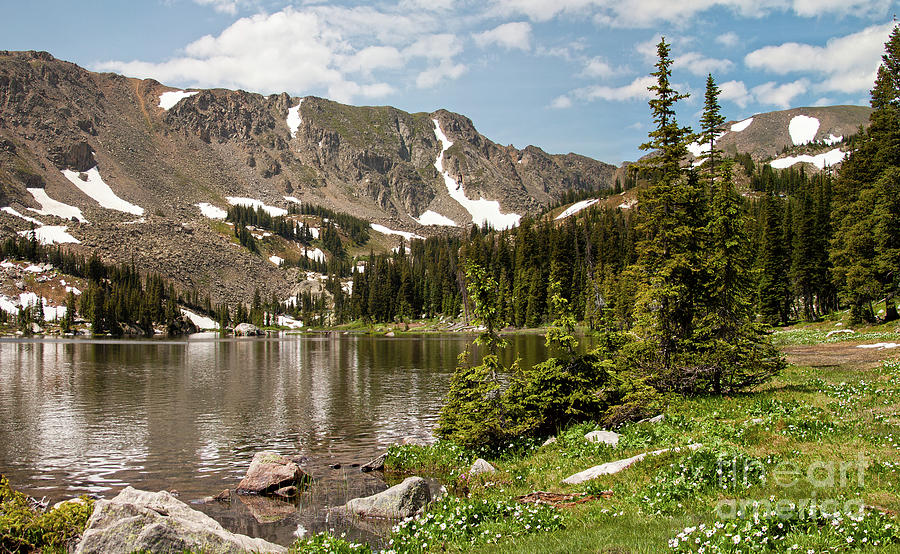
[[710, 129]]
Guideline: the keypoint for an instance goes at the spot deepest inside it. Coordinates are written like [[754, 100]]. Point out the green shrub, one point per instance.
[[24, 528]]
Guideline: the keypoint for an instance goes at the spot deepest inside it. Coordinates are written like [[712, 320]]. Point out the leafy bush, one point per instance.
[[441, 458], [24, 528], [326, 543], [470, 522]]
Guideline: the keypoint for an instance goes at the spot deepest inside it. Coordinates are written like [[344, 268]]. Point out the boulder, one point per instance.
[[376, 464], [604, 437], [481, 466], [398, 502], [247, 330], [266, 509], [654, 419], [144, 521], [269, 472], [610, 468]]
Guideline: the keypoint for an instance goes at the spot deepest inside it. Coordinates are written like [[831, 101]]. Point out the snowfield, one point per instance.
[[429, 217], [253, 203], [293, 119], [276, 260], [385, 231], [201, 321], [50, 206], [741, 125], [210, 211], [26, 299], [577, 207], [484, 212], [820, 161], [288, 321], [315, 254], [831, 140], [167, 100], [697, 149], [12, 211], [100, 191], [51, 234], [292, 199], [803, 129]]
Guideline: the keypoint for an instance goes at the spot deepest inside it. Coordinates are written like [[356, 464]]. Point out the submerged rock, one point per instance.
[[144, 521], [398, 502], [269, 472]]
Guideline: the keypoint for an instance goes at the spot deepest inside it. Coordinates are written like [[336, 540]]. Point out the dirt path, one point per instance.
[[840, 353]]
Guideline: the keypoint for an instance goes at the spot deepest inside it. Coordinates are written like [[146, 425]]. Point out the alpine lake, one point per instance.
[[84, 416]]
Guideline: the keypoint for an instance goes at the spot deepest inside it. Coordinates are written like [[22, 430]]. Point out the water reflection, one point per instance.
[[94, 416]]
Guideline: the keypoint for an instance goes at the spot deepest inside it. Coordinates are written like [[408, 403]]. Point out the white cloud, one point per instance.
[[779, 95], [512, 36], [848, 64], [728, 39], [636, 90], [599, 67], [330, 49], [222, 6], [735, 91], [652, 13], [561, 103], [698, 64], [447, 69]]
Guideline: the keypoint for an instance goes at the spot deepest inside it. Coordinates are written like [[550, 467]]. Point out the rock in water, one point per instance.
[[269, 472], [481, 466], [603, 437], [158, 522], [376, 464], [247, 330], [398, 502]]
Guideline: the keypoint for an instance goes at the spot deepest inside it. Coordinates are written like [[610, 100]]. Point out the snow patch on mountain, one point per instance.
[[292, 199], [93, 186], [484, 212], [14, 212], [293, 119], [50, 206], [253, 203], [314, 254], [385, 231], [277, 260], [831, 140], [803, 129], [210, 211], [697, 149], [51, 234], [167, 100], [430, 217], [741, 125], [820, 160], [577, 207], [201, 321]]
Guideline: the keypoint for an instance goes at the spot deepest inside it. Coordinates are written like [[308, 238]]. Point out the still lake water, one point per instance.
[[86, 416]]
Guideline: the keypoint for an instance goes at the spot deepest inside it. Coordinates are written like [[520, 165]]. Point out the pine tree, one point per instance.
[[710, 128], [774, 291]]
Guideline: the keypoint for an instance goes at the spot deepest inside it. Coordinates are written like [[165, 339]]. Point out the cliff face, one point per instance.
[[377, 163]]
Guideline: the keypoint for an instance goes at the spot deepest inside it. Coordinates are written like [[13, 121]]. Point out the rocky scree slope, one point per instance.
[[157, 161]]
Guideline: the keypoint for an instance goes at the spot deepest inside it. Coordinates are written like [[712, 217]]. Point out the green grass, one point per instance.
[[796, 431]]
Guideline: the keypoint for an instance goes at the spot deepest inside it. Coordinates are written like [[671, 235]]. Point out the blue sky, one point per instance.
[[564, 75]]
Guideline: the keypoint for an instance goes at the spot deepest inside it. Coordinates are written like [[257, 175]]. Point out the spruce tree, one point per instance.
[[710, 128]]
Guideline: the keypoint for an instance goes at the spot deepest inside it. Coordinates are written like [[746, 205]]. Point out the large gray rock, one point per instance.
[[247, 330], [603, 437], [144, 521], [269, 472], [610, 468], [481, 466], [398, 502]]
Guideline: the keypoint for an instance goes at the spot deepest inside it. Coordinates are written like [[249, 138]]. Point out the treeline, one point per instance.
[[243, 216]]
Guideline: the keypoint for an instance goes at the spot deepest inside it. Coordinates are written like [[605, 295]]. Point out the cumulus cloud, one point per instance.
[[223, 6], [512, 36], [339, 51], [779, 95], [561, 102], [698, 64], [635, 90], [651, 13], [846, 64], [735, 91], [728, 39], [599, 67]]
